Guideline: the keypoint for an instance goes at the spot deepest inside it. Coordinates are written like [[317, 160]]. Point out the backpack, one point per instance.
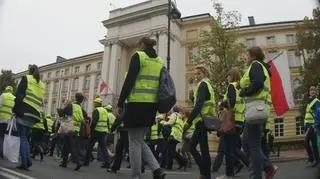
[[166, 93]]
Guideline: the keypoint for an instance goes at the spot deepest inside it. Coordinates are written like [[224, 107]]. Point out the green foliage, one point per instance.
[[219, 48], [6, 79], [308, 40]]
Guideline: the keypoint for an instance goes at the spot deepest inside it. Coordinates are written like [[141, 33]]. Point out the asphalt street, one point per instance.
[[49, 169]]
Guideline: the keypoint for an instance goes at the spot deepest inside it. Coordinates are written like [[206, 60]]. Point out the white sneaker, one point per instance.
[[224, 177]]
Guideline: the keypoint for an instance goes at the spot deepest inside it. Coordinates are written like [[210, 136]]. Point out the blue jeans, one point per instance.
[[24, 143], [252, 146]]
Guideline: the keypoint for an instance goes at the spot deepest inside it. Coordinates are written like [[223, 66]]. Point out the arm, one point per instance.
[[45, 124], [257, 79], [95, 118], [203, 95], [20, 94], [316, 111], [130, 80], [231, 95]]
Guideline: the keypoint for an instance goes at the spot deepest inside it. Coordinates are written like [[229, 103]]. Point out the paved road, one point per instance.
[[49, 170]]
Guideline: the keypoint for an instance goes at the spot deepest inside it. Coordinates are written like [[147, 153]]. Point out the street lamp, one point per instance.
[[173, 13]]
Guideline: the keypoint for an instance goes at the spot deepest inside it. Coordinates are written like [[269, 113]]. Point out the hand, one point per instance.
[[119, 113], [186, 126]]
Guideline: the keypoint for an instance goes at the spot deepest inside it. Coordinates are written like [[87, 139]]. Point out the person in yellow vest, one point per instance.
[[176, 122], [28, 105], [154, 137], [187, 134], [311, 115], [6, 106], [232, 140], [47, 144], [38, 137], [255, 88], [111, 120], [72, 139], [99, 130], [204, 104], [138, 104]]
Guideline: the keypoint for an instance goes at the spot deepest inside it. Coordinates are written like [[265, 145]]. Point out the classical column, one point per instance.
[[162, 47], [81, 81], [49, 106]]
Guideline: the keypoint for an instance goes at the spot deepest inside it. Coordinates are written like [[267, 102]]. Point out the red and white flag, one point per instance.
[[103, 86], [281, 89]]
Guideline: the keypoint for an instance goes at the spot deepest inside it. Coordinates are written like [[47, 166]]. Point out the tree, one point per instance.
[[219, 48], [6, 79], [308, 40]]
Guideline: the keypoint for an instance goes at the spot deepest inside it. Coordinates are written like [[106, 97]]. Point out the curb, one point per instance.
[[285, 160]]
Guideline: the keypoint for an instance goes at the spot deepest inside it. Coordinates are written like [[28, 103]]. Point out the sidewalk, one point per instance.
[[288, 156]]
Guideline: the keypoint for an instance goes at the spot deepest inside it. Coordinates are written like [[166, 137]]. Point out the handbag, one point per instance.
[[11, 142], [211, 123], [256, 112], [227, 120], [66, 125]]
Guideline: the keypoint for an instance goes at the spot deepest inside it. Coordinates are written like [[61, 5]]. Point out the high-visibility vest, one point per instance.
[[191, 129], [111, 119], [77, 116], [34, 93], [155, 132], [49, 124], [209, 107], [268, 125], [261, 95], [309, 116], [177, 128], [102, 124], [147, 82], [39, 125], [7, 106], [239, 107]]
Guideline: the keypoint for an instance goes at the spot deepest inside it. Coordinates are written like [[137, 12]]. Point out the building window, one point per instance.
[[294, 61], [251, 42], [299, 126], [66, 72], [76, 69], [192, 54], [65, 86], [88, 68], [56, 87], [271, 40], [271, 54], [99, 66], [75, 84], [291, 39], [87, 82], [57, 73], [49, 75], [278, 127], [96, 84]]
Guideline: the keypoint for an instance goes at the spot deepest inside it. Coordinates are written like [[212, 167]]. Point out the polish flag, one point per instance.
[[281, 90]]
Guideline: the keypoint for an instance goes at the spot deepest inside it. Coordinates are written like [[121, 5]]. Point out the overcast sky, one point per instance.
[[36, 31]]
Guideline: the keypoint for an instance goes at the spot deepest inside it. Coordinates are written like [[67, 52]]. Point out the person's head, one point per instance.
[[146, 43], [201, 73], [254, 53], [177, 109], [313, 91], [108, 108], [34, 71], [8, 89], [234, 75], [97, 102], [48, 116], [79, 97]]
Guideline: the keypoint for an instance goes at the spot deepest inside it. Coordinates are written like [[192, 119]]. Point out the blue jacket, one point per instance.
[[316, 111]]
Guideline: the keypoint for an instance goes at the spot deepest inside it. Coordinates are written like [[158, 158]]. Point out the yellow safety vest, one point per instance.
[[77, 116], [7, 106], [261, 95], [268, 125], [309, 116], [111, 120], [39, 125], [209, 107], [147, 82], [34, 93], [177, 128], [155, 133], [102, 124], [49, 124], [239, 107]]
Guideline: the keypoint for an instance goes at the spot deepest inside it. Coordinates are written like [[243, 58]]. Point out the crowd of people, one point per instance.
[[150, 138]]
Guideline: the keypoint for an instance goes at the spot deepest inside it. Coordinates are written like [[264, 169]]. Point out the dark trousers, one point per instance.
[[229, 148], [3, 128], [100, 137], [57, 140], [220, 154], [173, 154], [200, 136], [122, 144], [71, 144], [264, 145], [311, 145], [37, 139]]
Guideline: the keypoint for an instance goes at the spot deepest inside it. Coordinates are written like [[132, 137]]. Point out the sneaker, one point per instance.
[[270, 174]]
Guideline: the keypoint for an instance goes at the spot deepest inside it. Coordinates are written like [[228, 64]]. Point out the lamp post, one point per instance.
[[173, 13]]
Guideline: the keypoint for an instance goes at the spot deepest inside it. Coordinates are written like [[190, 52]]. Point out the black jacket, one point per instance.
[[136, 114]]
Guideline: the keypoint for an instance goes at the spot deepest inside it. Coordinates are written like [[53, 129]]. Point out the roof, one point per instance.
[[273, 23], [66, 60], [194, 17]]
